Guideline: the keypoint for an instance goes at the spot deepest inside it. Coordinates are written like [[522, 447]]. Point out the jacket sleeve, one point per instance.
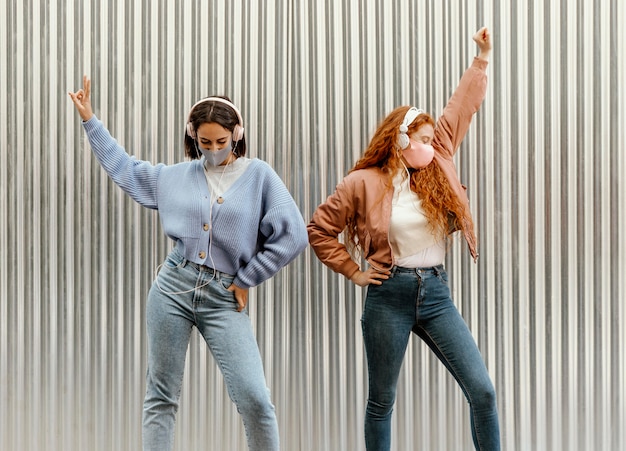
[[457, 115], [328, 221], [137, 178]]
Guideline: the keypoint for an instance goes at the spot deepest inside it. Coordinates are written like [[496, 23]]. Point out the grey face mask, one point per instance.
[[217, 157]]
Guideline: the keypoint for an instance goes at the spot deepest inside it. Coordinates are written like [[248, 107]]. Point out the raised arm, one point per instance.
[[137, 178], [455, 119]]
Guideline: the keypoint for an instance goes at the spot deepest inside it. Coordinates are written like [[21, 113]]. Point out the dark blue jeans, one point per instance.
[[418, 300]]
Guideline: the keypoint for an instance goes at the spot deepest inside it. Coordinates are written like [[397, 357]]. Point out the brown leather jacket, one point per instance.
[[363, 196]]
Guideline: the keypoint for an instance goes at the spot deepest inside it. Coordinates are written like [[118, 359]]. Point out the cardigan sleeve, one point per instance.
[[328, 221], [283, 235], [137, 178], [455, 120]]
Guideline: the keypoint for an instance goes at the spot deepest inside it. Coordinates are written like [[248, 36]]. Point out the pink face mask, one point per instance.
[[418, 155]]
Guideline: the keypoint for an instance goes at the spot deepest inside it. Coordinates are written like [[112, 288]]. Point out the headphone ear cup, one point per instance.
[[190, 130], [403, 140], [237, 133]]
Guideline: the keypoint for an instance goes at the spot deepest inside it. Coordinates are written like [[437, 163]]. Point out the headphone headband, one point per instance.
[[409, 117], [237, 131]]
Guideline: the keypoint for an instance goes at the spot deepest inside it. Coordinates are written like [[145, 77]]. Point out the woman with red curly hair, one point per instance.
[[399, 206]]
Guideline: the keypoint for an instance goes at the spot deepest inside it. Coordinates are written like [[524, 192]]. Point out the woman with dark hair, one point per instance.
[[234, 225], [398, 207]]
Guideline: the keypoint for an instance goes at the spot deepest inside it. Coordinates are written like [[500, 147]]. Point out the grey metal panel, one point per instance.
[[543, 160]]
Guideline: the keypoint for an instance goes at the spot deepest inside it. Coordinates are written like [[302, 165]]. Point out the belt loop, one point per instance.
[[183, 262], [393, 270]]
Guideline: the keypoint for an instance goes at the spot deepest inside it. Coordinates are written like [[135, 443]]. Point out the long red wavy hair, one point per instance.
[[439, 203]]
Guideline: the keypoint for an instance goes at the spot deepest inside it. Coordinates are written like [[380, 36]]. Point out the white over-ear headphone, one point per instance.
[[409, 117], [237, 131]]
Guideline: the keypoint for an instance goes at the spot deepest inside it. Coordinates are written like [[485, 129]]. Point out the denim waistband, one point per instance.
[[177, 255], [432, 269], [204, 268]]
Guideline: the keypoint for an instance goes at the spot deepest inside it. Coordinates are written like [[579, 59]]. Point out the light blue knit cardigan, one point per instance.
[[257, 230]]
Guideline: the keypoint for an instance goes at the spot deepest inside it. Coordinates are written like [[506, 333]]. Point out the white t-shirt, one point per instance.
[[220, 178], [410, 235]]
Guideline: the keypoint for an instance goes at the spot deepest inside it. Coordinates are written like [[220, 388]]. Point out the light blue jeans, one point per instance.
[[174, 307], [418, 301]]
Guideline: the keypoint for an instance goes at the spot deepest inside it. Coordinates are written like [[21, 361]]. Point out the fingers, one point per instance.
[[82, 95], [87, 86], [81, 100], [369, 277], [376, 278], [481, 35], [242, 300], [77, 97], [483, 40], [241, 296], [484, 34]]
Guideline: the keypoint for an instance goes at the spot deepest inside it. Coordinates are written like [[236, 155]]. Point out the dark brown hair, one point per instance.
[[217, 112]]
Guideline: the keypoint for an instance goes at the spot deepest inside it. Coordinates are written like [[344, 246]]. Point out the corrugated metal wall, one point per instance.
[[544, 161]]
